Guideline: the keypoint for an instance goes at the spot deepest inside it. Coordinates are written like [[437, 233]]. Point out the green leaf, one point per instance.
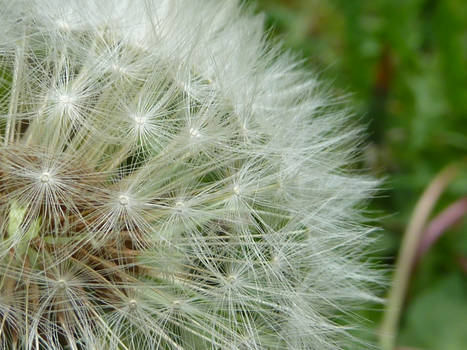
[[437, 318]]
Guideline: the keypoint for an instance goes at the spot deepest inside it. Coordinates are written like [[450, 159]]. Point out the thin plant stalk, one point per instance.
[[408, 253]]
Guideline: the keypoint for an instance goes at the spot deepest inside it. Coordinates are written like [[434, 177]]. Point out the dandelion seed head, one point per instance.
[[170, 180]]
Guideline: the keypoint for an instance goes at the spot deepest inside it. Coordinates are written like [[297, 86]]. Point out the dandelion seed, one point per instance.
[[140, 121], [45, 177], [118, 69], [65, 100], [61, 284], [231, 279], [123, 200], [132, 304], [194, 133], [236, 190], [62, 25]]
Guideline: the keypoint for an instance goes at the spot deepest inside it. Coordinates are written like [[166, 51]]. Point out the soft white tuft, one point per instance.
[[168, 180]]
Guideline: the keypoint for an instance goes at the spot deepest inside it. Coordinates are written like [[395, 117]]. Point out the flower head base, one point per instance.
[[169, 181]]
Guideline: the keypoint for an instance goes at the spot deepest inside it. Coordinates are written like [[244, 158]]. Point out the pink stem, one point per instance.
[[440, 224]]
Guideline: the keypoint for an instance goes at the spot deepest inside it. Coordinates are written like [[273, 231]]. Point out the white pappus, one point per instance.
[[170, 180]]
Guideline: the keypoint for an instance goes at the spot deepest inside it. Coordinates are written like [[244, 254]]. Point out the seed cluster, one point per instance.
[[162, 190]]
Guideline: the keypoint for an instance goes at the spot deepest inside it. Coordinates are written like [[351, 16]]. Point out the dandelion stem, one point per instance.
[[407, 255]]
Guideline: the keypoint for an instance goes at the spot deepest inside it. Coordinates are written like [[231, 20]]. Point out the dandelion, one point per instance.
[[168, 180]]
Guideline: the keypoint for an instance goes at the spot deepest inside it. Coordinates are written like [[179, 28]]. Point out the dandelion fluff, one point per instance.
[[169, 180]]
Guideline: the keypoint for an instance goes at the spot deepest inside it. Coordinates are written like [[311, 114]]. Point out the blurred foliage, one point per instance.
[[402, 64]]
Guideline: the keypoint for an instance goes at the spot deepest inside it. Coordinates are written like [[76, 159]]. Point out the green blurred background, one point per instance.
[[402, 66]]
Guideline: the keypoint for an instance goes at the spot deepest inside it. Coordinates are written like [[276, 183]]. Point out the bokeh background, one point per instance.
[[402, 66]]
